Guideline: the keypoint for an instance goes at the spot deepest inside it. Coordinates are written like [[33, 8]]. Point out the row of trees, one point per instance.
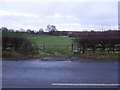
[[99, 41], [50, 28]]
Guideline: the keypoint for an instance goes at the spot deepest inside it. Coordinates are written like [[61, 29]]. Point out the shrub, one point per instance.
[[11, 54], [102, 41], [19, 44]]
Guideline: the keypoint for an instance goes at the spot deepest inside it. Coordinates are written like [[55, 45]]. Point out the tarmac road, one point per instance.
[[54, 74]]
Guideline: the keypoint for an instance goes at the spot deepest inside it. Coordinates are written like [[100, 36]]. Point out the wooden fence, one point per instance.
[[73, 49]]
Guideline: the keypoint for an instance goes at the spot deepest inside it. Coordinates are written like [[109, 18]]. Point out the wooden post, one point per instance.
[[72, 47], [43, 47], [57, 48]]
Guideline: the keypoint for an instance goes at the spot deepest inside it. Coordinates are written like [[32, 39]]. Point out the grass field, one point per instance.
[[52, 45], [43, 39], [49, 45]]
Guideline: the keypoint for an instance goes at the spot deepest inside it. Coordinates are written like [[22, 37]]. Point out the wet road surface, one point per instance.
[[46, 74]]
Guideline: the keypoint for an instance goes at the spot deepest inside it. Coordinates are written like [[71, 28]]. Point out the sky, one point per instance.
[[66, 15]]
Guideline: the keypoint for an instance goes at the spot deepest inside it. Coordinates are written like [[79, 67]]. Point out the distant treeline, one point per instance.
[[63, 33], [51, 32]]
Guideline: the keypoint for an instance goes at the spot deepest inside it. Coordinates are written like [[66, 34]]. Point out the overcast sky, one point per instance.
[[69, 16]]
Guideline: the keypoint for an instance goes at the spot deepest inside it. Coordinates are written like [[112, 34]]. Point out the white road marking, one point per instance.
[[78, 84]]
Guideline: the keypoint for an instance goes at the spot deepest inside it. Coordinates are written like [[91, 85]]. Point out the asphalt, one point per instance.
[[50, 74]]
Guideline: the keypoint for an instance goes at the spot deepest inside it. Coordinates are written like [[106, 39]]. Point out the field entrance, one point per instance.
[[59, 49]]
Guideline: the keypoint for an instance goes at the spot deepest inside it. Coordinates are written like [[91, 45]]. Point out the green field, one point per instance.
[[48, 45], [43, 39], [52, 45]]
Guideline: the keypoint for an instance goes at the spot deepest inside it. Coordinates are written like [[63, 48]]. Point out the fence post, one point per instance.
[[43, 47], [72, 47]]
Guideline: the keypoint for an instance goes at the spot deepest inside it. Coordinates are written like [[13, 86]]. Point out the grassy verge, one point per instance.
[[100, 56], [12, 55]]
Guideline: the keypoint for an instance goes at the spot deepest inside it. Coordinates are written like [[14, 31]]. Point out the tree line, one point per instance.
[[98, 41]]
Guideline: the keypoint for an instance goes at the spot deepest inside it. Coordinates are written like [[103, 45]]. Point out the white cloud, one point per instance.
[[7, 13], [59, 0], [65, 16], [25, 15], [72, 24], [2, 13], [72, 18], [81, 27], [57, 16], [69, 16]]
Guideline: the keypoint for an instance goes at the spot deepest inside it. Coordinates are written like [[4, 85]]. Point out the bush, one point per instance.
[[102, 41], [19, 44], [11, 54]]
